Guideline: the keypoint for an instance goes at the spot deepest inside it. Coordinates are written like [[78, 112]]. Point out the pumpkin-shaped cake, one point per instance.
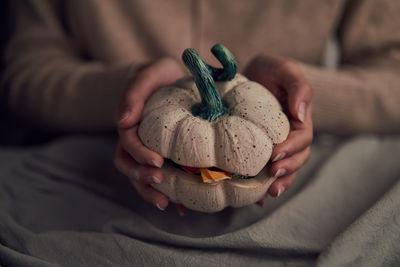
[[218, 124]]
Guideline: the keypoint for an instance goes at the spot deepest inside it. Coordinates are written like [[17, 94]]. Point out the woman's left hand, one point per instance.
[[286, 81]]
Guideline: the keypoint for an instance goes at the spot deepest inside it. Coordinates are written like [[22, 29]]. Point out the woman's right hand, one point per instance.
[[285, 79], [132, 158]]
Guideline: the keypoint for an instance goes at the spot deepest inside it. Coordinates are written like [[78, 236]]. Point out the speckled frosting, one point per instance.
[[240, 142]]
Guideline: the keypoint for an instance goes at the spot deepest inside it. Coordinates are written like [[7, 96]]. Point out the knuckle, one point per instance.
[[139, 159], [136, 176], [289, 149], [305, 87], [298, 147], [139, 186], [296, 163], [293, 147], [290, 181], [288, 66]]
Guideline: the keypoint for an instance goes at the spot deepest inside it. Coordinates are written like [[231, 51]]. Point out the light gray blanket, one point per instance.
[[64, 204]]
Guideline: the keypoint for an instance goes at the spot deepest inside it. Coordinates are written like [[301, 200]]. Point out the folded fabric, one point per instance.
[[64, 204]]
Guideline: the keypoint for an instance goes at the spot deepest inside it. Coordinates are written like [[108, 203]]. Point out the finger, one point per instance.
[[297, 141], [299, 99], [141, 173], [134, 171], [277, 73], [129, 113], [261, 201], [296, 124], [281, 185], [132, 144], [291, 78], [289, 165], [180, 209], [300, 136], [151, 195], [160, 74], [259, 70]]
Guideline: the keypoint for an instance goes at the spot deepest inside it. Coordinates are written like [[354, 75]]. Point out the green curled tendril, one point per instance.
[[211, 106]]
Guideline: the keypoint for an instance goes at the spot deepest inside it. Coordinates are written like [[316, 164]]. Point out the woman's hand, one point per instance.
[[285, 80], [132, 158]]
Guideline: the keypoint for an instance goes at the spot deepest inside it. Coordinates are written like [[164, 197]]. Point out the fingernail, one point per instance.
[[124, 115], [156, 163], [159, 207], [280, 173], [135, 174], [281, 189], [301, 114], [154, 179], [279, 156]]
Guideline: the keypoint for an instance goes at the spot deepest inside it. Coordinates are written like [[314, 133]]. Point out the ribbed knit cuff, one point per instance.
[[100, 94], [337, 100]]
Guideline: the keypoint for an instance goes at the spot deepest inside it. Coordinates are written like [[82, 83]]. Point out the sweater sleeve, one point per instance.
[[363, 95], [47, 82]]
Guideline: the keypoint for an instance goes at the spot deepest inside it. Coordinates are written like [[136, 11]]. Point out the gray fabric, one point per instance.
[[64, 204]]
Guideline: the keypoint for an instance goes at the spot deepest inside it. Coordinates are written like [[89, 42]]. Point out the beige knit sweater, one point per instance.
[[68, 61]]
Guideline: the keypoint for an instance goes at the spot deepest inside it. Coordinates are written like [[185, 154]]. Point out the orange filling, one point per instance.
[[209, 176]]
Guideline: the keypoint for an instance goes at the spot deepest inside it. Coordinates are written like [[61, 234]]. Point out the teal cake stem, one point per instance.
[[211, 106], [227, 61]]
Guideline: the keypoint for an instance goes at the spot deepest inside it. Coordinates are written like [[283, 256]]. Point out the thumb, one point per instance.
[[299, 99], [157, 75], [298, 90], [129, 114]]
